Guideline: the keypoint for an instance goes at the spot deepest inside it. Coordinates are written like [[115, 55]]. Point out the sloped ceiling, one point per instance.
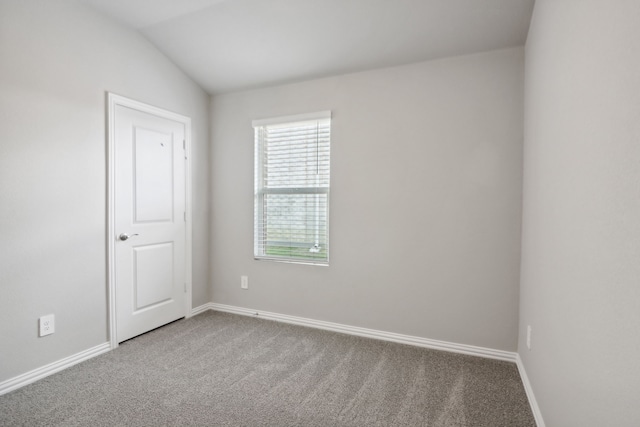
[[230, 45]]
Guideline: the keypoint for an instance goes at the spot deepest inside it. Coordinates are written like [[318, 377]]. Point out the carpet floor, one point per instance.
[[219, 369]]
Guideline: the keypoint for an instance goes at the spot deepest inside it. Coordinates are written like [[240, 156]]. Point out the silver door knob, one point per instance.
[[125, 236]]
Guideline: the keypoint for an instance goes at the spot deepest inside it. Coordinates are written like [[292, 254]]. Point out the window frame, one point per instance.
[[260, 191]]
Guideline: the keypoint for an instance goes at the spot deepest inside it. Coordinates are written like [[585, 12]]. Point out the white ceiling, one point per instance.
[[229, 45]]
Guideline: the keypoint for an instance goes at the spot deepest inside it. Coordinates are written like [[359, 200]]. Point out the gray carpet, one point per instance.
[[220, 369]]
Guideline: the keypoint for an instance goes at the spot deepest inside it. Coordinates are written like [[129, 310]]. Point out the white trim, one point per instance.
[[371, 333], [111, 273], [537, 414], [114, 100], [201, 309], [44, 371], [320, 115], [188, 219]]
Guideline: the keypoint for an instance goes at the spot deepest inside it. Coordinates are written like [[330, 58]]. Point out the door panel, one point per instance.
[[153, 278], [153, 175], [150, 271]]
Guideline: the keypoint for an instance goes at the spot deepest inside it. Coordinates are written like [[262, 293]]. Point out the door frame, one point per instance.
[[113, 101]]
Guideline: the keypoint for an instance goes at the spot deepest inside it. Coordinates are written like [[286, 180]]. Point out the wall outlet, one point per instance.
[[529, 337], [244, 282], [47, 325]]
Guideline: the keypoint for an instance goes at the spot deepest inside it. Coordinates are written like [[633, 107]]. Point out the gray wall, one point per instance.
[[581, 225], [57, 59], [425, 200]]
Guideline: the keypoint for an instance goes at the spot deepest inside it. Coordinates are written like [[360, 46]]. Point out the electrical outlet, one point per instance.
[[47, 325], [244, 282], [529, 337]]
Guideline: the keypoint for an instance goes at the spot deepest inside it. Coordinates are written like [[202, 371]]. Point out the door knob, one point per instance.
[[125, 236]]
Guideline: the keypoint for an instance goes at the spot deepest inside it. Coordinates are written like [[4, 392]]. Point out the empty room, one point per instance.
[[320, 213]]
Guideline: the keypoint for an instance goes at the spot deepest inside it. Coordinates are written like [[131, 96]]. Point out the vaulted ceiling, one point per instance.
[[229, 45]]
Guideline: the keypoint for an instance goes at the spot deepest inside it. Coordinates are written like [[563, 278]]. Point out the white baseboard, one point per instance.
[[527, 388], [202, 308], [368, 333], [44, 371]]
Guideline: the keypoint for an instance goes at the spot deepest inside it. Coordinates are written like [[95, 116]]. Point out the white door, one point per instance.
[[149, 224]]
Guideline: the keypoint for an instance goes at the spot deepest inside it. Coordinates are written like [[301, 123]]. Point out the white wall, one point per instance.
[[57, 60], [425, 200], [580, 287]]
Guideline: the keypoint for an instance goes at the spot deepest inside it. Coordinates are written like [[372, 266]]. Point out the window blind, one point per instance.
[[291, 210]]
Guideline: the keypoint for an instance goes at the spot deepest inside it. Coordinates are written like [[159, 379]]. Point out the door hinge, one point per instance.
[[184, 216]]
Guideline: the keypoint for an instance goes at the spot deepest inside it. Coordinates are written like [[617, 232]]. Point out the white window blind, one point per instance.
[[291, 208]]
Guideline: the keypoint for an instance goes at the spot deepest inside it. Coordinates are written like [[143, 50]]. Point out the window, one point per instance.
[[291, 210]]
